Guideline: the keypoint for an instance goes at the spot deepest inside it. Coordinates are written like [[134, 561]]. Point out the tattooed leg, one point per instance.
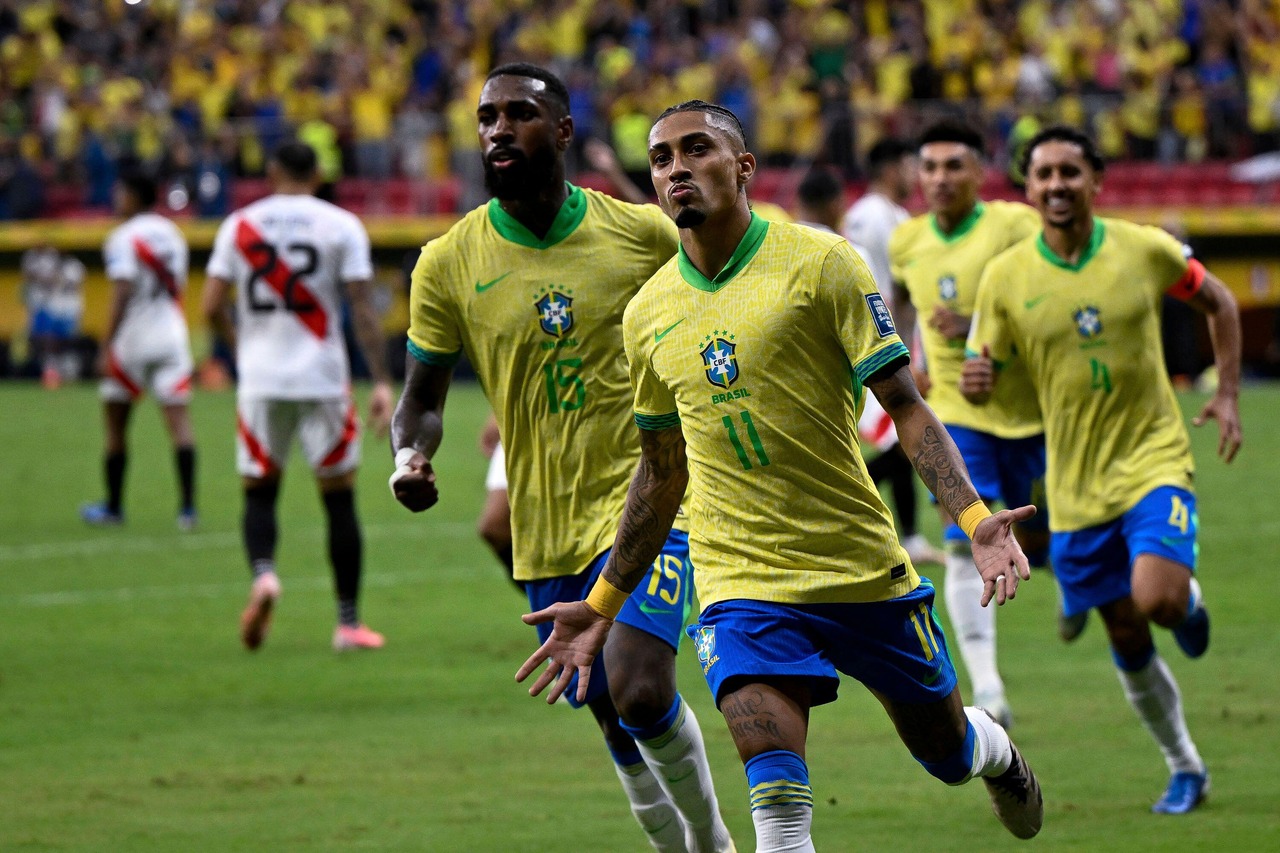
[[768, 716]]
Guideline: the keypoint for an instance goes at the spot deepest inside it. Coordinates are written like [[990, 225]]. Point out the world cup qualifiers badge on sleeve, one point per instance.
[[880, 313]]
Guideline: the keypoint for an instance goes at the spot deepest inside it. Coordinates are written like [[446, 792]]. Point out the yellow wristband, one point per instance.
[[605, 598], [972, 516]]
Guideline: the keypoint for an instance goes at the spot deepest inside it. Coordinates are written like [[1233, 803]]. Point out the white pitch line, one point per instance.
[[206, 590], [125, 544], [208, 541]]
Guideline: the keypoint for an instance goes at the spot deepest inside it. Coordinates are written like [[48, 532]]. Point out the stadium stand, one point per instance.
[[199, 91]]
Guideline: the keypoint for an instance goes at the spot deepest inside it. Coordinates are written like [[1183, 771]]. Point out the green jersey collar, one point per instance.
[[742, 255], [965, 226], [1095, 243], [567, 219]]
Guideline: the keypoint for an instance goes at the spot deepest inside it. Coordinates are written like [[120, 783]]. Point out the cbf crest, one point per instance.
[[720, 359], [1088, 321], [555, 313], [704, 642], [947, 289]]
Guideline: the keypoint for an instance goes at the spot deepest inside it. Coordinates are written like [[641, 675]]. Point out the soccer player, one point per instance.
[[748, 354], [936, 259], [147, 344], [291, 256], [1080, 303], [533, 286]]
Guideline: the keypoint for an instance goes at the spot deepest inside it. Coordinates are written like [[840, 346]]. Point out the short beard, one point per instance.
[[523, 180], [690, 218]]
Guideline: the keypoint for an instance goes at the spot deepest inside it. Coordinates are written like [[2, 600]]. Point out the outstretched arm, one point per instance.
[[1214, 299], [581, 627], [416, 430], [935, 456]]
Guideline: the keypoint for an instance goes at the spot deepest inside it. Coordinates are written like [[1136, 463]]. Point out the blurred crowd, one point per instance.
[[201, 90]]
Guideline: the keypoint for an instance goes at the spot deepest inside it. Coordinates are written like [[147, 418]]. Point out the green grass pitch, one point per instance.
[[131, 719]]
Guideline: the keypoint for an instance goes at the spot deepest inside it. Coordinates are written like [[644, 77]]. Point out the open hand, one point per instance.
[[1225, 409], [998, 556], [577, 636]]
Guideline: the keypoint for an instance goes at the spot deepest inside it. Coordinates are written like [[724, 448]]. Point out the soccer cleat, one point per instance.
[[1193, 634], [997, 708], [187, 520], [1016, 798], [255, 621], [1185, 792], [921, 550], [1071, 627], [99, 516], [346, 638]]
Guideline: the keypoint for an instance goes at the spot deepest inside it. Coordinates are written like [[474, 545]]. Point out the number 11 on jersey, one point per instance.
[[762, 458]]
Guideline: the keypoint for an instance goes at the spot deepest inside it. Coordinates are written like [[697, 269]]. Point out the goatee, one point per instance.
[[690, 218]]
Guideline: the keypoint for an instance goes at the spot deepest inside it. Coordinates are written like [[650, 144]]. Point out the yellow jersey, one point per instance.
[[943, 269], [763, 369], [541, 323], [1089, 333]]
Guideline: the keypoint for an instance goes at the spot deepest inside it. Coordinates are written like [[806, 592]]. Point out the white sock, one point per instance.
[[783, 828], [975, 625], [992, 750], [652, 807], [679, 761], [1154, 695]]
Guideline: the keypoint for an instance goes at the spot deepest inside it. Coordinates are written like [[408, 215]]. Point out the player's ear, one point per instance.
[[746, 168], [564, 133]]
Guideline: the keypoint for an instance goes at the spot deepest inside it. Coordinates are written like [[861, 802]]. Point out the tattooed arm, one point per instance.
[[926, 441], [652, 503], [580, 628], [935, 456]]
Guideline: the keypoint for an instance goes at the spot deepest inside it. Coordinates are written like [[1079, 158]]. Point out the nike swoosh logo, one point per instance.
[[481, 288], [674, 779], [1032, 303], [658, 336], [931, 677], [646, 607]]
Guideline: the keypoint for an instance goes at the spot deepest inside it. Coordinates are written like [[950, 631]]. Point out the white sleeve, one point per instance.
[[222, 258], [120, 259], [357, 263]]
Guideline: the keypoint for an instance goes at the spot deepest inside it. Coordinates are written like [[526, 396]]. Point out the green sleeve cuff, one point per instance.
[[437, 359], [657, 422], [877, 361]]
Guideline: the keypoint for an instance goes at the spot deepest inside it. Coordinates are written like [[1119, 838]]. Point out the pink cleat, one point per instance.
[[255, 621], [346, 638]]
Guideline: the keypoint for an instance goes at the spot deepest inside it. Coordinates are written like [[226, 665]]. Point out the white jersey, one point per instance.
[[289, 257], [868, 224], [150, 253]]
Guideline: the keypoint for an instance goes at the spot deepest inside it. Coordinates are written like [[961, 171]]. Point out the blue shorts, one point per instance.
[[1007, 470], [895, 647], [659, 605], [44, 324], [1094, 565]]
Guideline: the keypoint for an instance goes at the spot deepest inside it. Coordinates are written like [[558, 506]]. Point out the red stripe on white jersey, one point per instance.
[[300, 301], [116, 372], [255, 448], [184, 386], [349, 429], [153, 263]]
